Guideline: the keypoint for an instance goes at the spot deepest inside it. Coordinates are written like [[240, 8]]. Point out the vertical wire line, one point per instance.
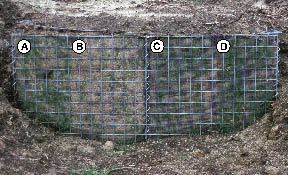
[[101, 87], [46, 82], [35, 79], [277, 64], [234, 80], [212, 91], [179, 86], [69, 81], [190, 100], [266, 72], [156, 87], [135, 88], [124, 103], [168, 78], [13, 63], [223, 101], [25, 81], [244, 84], [113, 94], [201, 85], [245, 50], [256, 60], [45, 79], [91, 86], [57, 80], [190, 87], [80, 93], [147, 107]]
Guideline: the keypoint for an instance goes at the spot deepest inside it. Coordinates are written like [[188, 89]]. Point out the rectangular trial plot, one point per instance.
[[123, 88]]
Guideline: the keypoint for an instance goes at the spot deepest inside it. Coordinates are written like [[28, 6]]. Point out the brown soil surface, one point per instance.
[[27, 148]]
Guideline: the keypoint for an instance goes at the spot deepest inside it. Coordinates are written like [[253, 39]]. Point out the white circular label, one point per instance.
[[24, 46], [79, 46], [223, 46], [157, 46]]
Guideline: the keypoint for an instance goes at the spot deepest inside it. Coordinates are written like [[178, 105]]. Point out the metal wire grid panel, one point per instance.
[[118, 89]]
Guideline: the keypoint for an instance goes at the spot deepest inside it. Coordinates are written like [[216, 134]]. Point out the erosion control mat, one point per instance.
[[121, 87]]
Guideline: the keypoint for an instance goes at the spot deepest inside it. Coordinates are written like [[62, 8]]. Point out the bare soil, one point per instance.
[[29, 148]]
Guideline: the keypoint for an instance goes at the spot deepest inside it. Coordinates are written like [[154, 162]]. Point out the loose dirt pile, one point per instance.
[[159, 16]]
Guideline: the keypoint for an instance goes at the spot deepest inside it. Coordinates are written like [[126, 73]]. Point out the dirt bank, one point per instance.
[[27, 148]]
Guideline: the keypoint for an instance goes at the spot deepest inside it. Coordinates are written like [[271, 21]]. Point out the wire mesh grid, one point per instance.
[[119, 90]]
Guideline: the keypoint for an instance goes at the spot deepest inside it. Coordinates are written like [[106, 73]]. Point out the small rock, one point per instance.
[[30, 173], [199, 153], [234, 138], [1, 165], [27, 154], [2, 95], [275, 128], [22, 26], [85, 149], [120, 152], [272, 170], [25, 22], [108, 146], [274, 132], [2, 23], [52, 171], [1, 43], [260, 4], [275, 112], [2, 144]]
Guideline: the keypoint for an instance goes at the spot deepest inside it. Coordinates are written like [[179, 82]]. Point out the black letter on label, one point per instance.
[[155, 46], [79, 46], [225, 46], [24, 46]]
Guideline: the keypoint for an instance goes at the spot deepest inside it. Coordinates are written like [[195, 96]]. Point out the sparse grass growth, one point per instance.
[[196, 3], [123, 148], [183, 157], [17, 170], [95, 171], [44, 100], [232, 108]]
